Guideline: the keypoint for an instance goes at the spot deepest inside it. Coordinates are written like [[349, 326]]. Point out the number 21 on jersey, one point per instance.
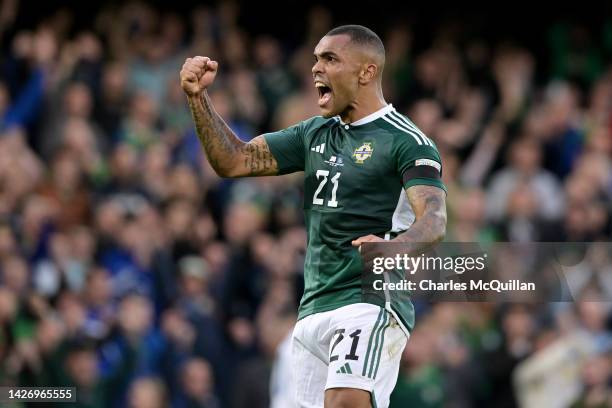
[[323, 176]]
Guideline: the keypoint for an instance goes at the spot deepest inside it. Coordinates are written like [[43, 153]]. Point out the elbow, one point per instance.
[[228, 173], [231, 168], [225, 171], [221, 172]]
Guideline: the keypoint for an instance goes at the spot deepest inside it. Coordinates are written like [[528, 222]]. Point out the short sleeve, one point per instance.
[[418, 164], [287, 147]]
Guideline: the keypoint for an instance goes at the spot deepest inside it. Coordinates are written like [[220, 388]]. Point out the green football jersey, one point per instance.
[[355, 176]]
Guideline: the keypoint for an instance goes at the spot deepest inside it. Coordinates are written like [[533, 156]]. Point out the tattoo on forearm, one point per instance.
[[215, 136], [429, 205], [224, 149]]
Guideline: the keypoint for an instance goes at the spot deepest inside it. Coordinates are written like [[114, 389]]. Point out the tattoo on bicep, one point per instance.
[[429, 206], [426, 199], [258, 158]]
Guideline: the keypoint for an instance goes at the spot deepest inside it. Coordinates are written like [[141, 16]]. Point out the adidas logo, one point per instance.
[[345, 369], [319, 149]]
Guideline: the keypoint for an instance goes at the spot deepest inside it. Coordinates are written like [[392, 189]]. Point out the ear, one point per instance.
[[368, 73]]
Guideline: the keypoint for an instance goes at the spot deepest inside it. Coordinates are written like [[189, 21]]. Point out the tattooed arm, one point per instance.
[[429, 206], [227, 154]]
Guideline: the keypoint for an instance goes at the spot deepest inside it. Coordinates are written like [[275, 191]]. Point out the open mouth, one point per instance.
[[325, 93]]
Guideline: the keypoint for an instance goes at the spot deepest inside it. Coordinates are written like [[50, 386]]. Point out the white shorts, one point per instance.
[[356, 346]]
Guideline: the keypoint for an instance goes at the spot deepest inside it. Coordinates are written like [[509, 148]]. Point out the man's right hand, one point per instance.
[[198, 73]]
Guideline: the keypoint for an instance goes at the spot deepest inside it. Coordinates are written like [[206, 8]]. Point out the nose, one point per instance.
[[316, 68]]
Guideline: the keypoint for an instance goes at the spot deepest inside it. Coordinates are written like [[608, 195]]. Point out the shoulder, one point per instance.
[[403, 131], [408, 142]]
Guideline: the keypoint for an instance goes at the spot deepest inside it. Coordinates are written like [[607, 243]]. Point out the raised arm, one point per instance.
[[227, 154]]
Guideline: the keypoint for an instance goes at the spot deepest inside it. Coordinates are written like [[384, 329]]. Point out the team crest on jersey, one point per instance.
[[363, 152]]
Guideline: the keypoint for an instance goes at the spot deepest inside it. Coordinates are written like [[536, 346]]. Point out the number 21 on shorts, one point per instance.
[[339, 334]]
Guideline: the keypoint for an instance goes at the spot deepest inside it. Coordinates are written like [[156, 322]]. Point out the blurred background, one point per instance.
[[130, 270]]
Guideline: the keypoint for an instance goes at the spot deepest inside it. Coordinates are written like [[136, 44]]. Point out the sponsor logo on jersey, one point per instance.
[[363, 152], [335, 161], [319, 149], [427, 162]]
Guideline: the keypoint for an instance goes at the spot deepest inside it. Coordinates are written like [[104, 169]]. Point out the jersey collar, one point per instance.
[[371, 117]]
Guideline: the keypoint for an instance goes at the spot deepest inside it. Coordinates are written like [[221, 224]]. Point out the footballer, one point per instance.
[[370, 175]]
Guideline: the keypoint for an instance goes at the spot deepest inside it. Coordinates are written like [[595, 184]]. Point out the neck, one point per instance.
[[362, 107]]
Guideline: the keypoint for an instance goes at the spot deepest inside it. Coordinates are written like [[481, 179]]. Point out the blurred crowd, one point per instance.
[[130, 270]]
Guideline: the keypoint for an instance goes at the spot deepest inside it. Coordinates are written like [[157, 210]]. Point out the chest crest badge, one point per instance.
[[363, 152]]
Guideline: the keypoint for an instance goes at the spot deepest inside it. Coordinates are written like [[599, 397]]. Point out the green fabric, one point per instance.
[[100, 395], [607, 37], [367, 356], [569, 60], [23, 328], [353, 181], [422, 388], [378, 344], [380, 349]]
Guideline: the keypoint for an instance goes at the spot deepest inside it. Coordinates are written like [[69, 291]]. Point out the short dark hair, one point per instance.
[[360, 35]]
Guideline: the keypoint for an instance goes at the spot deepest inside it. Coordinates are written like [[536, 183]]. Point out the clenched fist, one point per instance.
[[197, 74]]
